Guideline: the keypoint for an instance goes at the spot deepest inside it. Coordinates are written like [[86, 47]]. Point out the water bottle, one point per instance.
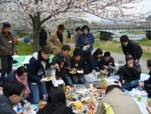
[[1, 91], [19, 108]]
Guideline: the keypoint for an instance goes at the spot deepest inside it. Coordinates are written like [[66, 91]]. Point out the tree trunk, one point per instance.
[[36, 32]]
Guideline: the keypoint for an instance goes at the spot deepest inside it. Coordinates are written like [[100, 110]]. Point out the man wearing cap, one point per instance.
[[7, 49]]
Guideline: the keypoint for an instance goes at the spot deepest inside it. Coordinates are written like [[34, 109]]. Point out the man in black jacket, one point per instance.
[[129, 75], [13, 94], [43, 37], [131, 48], [77, 64], [62, 63], [147, 83]]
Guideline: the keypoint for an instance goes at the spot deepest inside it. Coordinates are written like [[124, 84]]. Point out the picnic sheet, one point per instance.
[[88, 95], [24, 59]]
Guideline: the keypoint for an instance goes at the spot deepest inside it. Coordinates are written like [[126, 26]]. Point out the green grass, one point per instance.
[[145, 42], [113, 46], [24, 49]]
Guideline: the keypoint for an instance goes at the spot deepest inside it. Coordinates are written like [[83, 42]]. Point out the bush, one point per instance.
[[148, 35]]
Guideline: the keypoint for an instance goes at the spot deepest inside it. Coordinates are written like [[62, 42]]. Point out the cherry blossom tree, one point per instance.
[[37, 12]]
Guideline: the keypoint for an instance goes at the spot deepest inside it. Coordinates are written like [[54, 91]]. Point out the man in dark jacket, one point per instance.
[[129, 75], [147, 83], [131, 48], [108, 62], [97, 59], [7, 49], [43, 37], [77, 64], [13, 94], [62, 63]]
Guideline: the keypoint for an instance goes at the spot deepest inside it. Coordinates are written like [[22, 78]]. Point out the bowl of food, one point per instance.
[[73, 71], [42, 104], [48, 78]]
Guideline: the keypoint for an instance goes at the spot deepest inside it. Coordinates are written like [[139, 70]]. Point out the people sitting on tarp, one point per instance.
[[85, 42], [77, 67], [131, 48], [13, 94], [116, 101], [20, 75], [147, 83], [97, 59], [37, 67], [62, 63], [56, 103], [108, 63], [129, 75]]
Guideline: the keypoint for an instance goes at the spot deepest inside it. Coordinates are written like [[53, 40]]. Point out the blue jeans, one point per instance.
[[78, 79], [130, 85], [6, 64], [37, 92], [67, 80]]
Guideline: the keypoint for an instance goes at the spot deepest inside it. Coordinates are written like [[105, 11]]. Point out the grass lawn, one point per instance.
[[24, 49], [113, 46]]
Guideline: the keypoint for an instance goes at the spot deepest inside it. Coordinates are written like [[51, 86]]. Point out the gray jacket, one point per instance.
[[120, 102], [6, 45], [6, 106]]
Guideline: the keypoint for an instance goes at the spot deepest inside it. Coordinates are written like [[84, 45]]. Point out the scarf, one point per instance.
[[27, 90]]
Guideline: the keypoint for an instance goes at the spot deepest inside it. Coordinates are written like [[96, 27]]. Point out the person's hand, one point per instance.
[[123, 81], [74, 69], [88, 46], [136, 61], [84, 48], [149, 109], [56, 66], [106, 67], [141, 84]]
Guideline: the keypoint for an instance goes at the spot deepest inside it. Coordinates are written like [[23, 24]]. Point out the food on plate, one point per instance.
[[48, 78], [73, 71], [85, 100], [80, 71], [91, 107], [77, 105], [42, 104]]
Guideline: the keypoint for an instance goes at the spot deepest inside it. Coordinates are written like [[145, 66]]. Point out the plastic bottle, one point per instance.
[[19, 108]]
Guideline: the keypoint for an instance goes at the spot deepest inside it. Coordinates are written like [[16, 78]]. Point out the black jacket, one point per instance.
[[107, 63], [59, 59], [43, 38], [6, 106], [128, 74], [149, 80], [35, 69], [77, 64], [55, 109], [132, 49]]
